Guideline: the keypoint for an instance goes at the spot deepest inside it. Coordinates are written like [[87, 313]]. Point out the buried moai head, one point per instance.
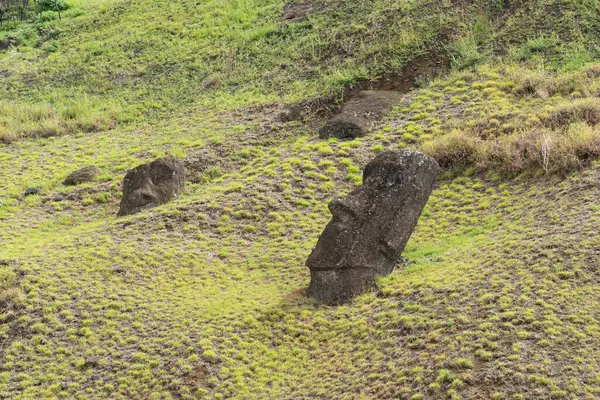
[[149, 185], [371, 226]]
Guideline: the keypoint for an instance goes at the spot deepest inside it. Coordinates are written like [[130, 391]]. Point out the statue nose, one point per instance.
[[344, 208], [144, 195]]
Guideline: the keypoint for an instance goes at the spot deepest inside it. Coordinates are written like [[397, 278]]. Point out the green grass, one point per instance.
[[510, 119], [83, 74], [204, 297]]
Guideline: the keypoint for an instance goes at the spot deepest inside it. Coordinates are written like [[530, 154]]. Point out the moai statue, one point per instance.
[[371, 226]]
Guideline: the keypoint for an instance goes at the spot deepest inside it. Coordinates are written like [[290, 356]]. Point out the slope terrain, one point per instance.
[[204, 297]]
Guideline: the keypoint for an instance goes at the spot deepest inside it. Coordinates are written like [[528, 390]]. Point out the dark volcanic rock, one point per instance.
[[360, 114], [75, 196], [6, 42], [87, 174], [32, 191], [149, 185], [371, 225]]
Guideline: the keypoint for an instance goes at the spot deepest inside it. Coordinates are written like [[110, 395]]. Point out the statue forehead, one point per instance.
[[388, 167]]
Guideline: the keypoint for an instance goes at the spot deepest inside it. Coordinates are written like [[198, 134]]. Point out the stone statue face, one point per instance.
[[144, 194], [149, 185], [371, 225]]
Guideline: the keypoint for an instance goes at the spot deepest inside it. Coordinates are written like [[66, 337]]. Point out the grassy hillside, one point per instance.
[[115, 62], [204, 297]]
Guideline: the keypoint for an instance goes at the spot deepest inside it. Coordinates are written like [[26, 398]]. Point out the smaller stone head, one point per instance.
[[149, 185], [371, 226]]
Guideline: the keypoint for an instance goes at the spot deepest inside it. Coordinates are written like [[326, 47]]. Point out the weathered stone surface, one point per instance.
[[87, 174], [149, 185], [360, 114], [30, 191], [371, 226], [75, 196]]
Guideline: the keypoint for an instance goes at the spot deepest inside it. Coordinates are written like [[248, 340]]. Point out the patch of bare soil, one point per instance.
[[316, 111], [368, 101], [297, 11], [420, 69]]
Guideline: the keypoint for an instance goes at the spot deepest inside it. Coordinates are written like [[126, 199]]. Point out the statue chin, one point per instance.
[[337, 286]]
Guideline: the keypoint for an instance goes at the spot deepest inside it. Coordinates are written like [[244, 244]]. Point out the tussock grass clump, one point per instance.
[[551, 151], [544, 84], [582, 110], [593, 71], [11, 296], [455, 148], [45, 120], [511, 119]]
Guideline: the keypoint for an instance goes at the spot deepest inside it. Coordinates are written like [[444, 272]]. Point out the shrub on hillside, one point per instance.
[[53, 5], [46, 16], [465, 53]]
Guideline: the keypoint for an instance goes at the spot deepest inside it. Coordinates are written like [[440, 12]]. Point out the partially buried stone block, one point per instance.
[[371, 226], [87, 174], [360, 114], [149, 185]]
